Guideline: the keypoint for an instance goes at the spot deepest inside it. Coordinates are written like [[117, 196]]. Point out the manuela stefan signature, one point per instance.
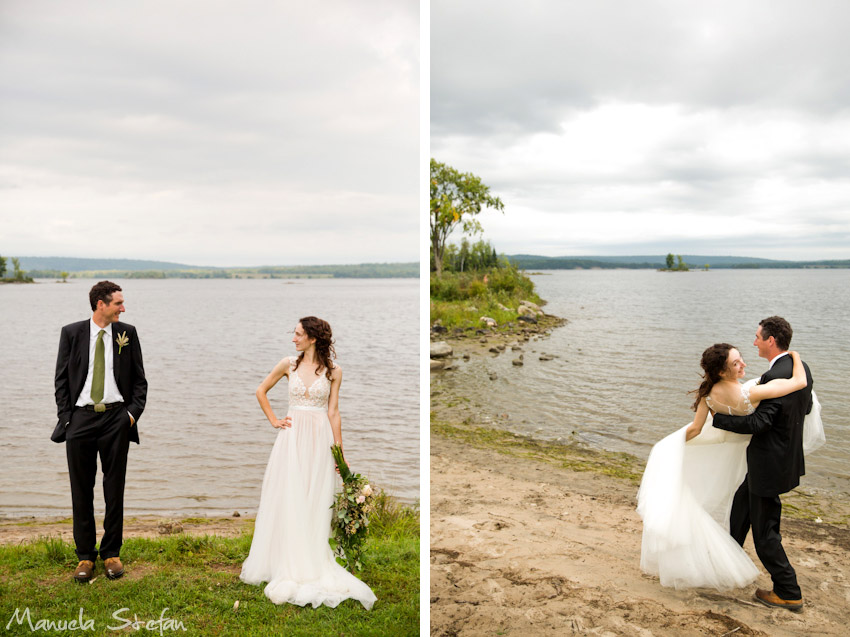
[[161, 625]]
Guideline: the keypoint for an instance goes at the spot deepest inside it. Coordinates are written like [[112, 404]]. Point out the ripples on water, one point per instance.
[[207, 345], [630, 354]]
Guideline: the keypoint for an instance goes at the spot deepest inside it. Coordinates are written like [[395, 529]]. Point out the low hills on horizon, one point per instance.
[[52, 267], [537, 262]]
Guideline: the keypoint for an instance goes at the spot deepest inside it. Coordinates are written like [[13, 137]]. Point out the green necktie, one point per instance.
[[99, 369]]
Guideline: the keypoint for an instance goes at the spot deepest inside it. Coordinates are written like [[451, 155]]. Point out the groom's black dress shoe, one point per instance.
[[769, 598]]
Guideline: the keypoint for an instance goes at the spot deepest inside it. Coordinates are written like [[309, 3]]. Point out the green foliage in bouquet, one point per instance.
[[350, 520]]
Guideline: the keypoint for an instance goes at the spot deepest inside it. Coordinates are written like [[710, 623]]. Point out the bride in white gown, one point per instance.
[[290, 547], [691, 476]]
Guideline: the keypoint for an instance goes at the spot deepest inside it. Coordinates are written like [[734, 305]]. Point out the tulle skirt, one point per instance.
[[685, 499], [290, 548]]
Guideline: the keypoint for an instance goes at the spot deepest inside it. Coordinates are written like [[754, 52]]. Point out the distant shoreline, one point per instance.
[[73, 267], [659, 262]]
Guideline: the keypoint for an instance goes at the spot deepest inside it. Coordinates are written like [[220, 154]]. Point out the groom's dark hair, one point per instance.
[[779, 329], [102, 291]]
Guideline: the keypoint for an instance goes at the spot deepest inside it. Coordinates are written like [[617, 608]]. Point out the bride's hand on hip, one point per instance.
[[285, 423]]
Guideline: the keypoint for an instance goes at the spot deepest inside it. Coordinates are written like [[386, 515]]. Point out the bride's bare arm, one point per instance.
[[333, 405], [280, 370], [781, 386], [695, 428], [333, 408]]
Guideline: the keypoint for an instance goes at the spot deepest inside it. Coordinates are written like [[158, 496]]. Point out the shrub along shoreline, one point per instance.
[[459, 302]]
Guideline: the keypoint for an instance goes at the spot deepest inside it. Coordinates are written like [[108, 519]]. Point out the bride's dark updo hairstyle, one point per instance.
[[321, 331], [714, 362]]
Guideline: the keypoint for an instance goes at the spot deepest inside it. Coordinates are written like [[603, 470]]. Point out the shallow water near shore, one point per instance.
[[625, 361], [207, 344]]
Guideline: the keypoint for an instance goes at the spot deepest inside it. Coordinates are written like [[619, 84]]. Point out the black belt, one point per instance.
[[101, 407]]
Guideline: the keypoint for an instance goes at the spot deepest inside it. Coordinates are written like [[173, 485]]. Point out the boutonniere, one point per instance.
[[122, 340]]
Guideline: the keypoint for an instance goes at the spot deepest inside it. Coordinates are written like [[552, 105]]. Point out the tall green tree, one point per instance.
[[19, 274], [2, 266], [456, 198], [670, 260]]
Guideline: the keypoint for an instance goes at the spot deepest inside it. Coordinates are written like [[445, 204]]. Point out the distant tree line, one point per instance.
[[360, 271], [535, 262]]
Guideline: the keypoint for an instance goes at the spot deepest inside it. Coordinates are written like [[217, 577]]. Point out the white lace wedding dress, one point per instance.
[[685, 500], [290, 548]]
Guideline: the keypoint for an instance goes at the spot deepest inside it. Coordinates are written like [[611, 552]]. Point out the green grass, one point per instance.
[[461, 299], [197, 579]]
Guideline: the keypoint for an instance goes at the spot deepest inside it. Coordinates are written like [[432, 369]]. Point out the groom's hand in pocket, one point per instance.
[[132, 420]]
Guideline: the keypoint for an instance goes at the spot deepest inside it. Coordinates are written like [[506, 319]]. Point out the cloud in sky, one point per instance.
[[210, 133], [635, 128]]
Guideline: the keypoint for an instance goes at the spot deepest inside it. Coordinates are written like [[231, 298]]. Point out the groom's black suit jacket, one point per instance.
[[775, 453], [72, 365]]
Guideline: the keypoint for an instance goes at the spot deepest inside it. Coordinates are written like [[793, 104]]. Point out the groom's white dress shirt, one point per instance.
[[110, 389]]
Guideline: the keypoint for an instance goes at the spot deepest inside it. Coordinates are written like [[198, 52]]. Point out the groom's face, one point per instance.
[[111, 312], [763, 345]]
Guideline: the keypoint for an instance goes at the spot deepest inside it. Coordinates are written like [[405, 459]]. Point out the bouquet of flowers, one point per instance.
[[350, 519]]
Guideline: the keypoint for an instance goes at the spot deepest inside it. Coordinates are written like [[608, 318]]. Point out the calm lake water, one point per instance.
[[207, 344], [630, 353]]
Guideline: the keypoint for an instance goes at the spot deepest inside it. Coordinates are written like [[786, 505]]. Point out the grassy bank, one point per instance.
[[195, 581], [459, 300]]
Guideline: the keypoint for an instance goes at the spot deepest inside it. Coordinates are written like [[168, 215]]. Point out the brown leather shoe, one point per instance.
[[769, 598], [113, 567], [84, 571]]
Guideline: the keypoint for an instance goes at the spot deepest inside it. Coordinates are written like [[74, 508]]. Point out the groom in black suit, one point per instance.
[[100, 396], [774, 464]]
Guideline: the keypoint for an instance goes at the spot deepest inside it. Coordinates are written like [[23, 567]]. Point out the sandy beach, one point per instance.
[[539, 538], [520, 546]]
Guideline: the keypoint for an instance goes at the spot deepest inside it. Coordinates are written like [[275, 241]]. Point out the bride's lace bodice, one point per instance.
[[300, 395], [742, 408]]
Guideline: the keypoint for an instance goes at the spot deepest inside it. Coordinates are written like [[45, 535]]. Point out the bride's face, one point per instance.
[[735, 365], [301, 340]]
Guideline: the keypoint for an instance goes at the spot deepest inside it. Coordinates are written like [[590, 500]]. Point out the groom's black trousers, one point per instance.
[[763, 513], [90, 434]]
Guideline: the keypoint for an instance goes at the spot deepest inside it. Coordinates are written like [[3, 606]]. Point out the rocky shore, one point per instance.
[[489, 337]]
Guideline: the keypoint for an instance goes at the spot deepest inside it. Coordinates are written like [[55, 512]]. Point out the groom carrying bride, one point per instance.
[[774, 464]]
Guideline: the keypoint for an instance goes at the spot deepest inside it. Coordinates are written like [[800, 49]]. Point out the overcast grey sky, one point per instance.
[[609, 127], [210, 132]]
